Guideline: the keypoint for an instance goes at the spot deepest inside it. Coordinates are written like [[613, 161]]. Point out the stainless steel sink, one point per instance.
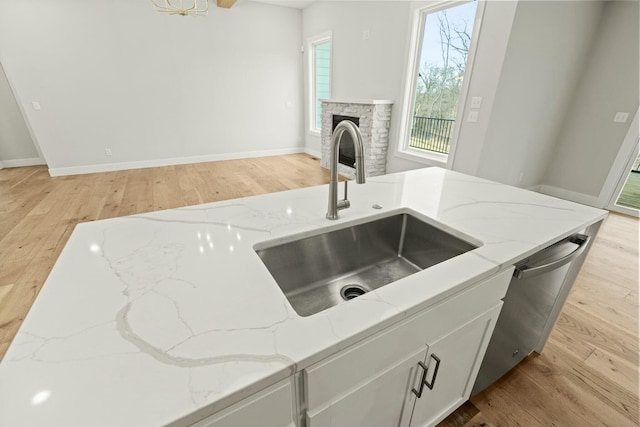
[[318, 272]]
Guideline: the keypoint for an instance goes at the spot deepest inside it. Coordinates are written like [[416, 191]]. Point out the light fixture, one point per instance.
[[182, 7]]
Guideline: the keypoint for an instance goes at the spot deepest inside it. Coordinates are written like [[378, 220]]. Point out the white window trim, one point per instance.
[[311, 42], [413, 65]]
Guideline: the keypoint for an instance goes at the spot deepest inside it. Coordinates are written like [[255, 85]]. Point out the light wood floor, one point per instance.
[[587, 375]]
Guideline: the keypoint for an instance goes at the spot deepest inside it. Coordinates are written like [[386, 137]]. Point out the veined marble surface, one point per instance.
[[169, 316]]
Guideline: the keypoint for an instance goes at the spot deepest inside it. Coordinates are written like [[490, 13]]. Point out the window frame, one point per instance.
[[403, 150], [312, 42]]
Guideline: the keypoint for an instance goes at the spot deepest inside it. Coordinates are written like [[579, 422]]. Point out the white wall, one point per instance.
[[485, 81], [16, 145], [117, 74], [551, 75], [361, 69], [149, 86], [376, 68], [547, 49], [589, 140]]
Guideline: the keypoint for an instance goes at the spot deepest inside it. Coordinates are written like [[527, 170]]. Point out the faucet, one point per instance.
[[334, 204]]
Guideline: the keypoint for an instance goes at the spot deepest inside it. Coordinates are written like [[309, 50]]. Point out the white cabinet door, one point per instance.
[[385, 400], [452, 366], [272, 407]]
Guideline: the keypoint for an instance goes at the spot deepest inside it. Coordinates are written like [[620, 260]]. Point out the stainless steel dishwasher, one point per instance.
[[536, 294]]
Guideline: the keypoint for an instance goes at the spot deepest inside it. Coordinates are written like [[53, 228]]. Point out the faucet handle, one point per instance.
[[344, 203]]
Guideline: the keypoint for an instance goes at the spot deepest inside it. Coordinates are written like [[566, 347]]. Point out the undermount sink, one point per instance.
[[321, 271]]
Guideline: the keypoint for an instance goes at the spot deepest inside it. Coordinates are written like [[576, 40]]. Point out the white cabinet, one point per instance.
[[452, 365], [271, 407], [379, 401], [371, 383], [441, 372]]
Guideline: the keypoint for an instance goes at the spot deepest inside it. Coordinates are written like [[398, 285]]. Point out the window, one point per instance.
[[319, 78], [438, 72]]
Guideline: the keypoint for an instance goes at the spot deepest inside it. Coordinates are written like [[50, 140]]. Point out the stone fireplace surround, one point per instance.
[[375, 118]]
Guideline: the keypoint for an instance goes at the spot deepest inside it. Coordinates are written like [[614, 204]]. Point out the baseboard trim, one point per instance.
[[625, 210], [585, 199], [312, 152], [18, 163], [111, 167]]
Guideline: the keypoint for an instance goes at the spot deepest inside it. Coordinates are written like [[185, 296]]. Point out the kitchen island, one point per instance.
[[168, 317]]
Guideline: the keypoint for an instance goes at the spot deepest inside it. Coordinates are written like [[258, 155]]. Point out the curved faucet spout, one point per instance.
[[344, 126]]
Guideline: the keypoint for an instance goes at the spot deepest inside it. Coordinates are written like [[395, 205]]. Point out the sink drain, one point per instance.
[[352, 291]]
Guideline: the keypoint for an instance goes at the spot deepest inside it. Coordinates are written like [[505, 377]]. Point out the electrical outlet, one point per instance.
[[476, 102], [107, 152], [36, 105], [621, 117], [473, 117], [366, 34]]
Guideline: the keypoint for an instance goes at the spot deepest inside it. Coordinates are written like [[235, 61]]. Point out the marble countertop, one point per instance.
[[166, 317]]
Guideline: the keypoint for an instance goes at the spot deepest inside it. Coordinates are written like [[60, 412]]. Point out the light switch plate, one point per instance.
[[476, 102], [621, 117], [473, 117], [366, 34], [36, 105]]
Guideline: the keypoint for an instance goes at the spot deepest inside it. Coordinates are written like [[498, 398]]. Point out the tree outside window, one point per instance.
[[443, 60]]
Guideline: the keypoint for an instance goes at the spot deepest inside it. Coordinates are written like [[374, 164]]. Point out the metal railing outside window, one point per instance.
[[432, 134]]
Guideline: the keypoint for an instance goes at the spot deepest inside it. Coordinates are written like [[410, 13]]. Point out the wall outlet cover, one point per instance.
[[621, 117]]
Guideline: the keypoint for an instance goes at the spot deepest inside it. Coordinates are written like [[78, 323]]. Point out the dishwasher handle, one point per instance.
[[524, 272]]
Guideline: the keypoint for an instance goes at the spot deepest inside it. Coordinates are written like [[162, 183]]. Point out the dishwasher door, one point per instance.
[[531, 296]]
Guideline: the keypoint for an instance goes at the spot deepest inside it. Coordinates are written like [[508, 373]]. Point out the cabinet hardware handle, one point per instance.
[[423, 380], [435, 372]]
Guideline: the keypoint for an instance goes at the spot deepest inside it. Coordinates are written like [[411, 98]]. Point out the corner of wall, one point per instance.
[[312, 152], [588, 135], [493, 41]]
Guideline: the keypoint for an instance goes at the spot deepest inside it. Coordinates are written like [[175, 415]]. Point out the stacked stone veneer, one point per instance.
[[375, 118]]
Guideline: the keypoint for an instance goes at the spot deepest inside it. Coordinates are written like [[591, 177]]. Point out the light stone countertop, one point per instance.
[[167, 317]]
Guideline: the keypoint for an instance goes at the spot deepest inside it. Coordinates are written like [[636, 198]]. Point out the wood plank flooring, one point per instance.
[[586, 376]]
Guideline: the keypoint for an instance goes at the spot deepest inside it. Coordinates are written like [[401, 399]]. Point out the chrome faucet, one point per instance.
[[334, 204]]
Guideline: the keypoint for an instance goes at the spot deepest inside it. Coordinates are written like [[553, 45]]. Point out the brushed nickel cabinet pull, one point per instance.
[[435, 372], [423, 381]]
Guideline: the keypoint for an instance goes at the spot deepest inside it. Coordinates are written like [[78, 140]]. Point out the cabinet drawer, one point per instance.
[[342, 373], [271, 407]]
